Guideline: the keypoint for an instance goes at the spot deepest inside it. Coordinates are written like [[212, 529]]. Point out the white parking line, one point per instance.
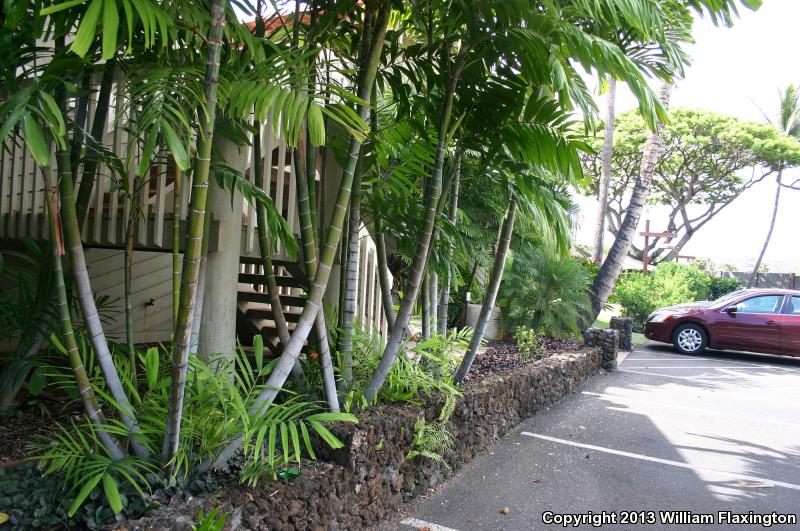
[[696, 367], [668, 462], [422, 524], [624, 399], [693, 378], [696, 358]]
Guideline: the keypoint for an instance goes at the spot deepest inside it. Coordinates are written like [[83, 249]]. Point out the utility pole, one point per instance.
[[647, 235]]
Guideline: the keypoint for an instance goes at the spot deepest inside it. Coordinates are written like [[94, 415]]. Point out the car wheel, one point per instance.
[[690, 339]]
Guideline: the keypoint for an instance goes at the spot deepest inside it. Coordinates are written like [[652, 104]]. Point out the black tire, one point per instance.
[[690, 338]]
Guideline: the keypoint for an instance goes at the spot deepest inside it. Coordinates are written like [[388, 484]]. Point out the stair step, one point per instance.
[[267, 314], [271, 331], [291, 282], [256, 260], [286, 300], [294, 268]]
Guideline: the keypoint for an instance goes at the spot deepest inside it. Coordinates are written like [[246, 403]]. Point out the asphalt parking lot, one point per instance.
[[665, 432]]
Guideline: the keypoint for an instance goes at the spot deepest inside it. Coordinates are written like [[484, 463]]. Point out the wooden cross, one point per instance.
[[647, 235]]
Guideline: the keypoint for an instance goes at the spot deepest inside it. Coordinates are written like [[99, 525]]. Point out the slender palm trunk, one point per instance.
[[383, 273], [433, 300], [425, 307], [757, 266], [91, 162], [432, 192], [91, 318], [444, 303], [605, 172], [308, 237], [328, 250], [128, 271], [612, 266], [265, 242], [197, 317], [177, 206], [501, 252], [194, 236], [90, 404], [351, 273]]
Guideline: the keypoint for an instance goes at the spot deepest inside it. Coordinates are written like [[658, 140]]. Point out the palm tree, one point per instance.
[[194, 238], [307, 319], [605, 172], [612, 266], [788, 124]]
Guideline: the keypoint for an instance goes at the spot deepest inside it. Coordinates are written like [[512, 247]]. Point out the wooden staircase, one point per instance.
[[255, 311]]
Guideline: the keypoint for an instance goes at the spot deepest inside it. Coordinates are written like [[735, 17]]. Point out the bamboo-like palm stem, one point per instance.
[[177, 206], [197, 318], [432, 192], [90, 404], [444, 303], [501, 252], [383, 272], [308, 238], [265, 248], [351, 274], [333, 234], [91, 318], [91, 162], [194, 237]]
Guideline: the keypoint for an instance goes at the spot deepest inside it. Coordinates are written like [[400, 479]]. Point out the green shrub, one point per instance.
[[528, 343], [544, 293], [669, 284], [722, 286]]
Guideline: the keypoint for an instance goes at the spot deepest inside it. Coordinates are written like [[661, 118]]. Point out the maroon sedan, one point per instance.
[[755, 320]]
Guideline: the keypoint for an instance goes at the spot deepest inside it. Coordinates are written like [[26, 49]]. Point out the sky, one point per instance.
[[736, 71]]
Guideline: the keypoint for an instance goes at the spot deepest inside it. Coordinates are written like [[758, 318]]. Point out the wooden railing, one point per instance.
[[23, 212]]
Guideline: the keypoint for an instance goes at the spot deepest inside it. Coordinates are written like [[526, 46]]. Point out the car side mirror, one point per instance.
[[730, 310]]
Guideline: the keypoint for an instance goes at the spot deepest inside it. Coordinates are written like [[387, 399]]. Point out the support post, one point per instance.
[[218, 326]]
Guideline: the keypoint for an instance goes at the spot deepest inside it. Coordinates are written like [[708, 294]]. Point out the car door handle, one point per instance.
[[771, 322]]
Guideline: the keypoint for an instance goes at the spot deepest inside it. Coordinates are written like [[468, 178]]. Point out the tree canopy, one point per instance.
[[707, 161]]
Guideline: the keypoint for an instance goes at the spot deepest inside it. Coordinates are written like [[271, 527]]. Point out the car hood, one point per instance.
[[685, 307]]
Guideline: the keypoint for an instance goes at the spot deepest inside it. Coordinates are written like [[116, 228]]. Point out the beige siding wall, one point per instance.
[[152, 292]]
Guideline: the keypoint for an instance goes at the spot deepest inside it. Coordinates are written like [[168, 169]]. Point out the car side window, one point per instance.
[[793, 308], [763, 304]]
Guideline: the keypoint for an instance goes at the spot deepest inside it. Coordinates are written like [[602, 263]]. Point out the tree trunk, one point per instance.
[[308, 237], [351, 274], [420, 259], [197, 316], [433, 298], [177, 206], [328, 250], [444, 303], [753, 276], [128, 271], [194, 236], [90, 404], [612, 266], [383, 273], [98, 124], [605, 172], [85, 296], [501, 252]]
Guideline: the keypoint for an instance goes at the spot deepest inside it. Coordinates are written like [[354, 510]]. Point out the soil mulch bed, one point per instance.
[[29, 419], [501, 356]]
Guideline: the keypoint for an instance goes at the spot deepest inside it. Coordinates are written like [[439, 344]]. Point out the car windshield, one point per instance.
[[728, 297]]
